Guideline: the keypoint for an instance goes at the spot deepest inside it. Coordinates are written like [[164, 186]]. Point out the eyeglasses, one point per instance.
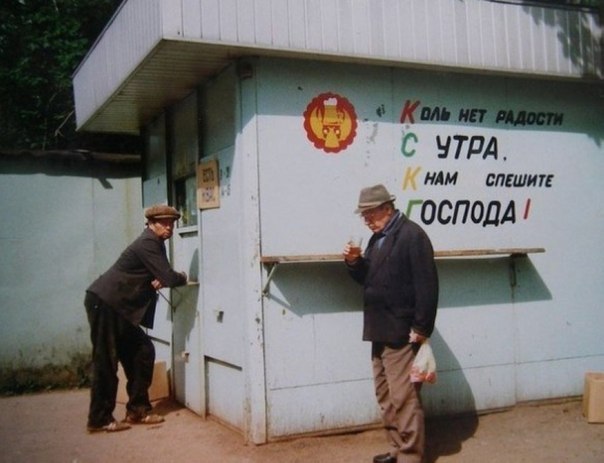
[[372, 213]]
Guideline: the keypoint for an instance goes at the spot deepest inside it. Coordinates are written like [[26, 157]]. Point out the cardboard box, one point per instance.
[[159, 388], [593, 397]]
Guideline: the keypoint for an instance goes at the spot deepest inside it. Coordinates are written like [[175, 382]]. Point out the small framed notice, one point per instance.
[[208, 188]]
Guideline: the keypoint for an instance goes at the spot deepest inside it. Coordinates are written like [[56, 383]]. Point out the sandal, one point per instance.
[[114, 426], [145, 419]]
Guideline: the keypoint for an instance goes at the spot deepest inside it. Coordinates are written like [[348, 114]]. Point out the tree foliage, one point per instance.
[[41, 44]]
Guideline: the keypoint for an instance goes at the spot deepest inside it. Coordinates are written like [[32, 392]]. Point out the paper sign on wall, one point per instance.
[[208, 191]]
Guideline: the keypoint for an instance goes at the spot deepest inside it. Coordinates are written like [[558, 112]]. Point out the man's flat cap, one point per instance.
[[161, 211]]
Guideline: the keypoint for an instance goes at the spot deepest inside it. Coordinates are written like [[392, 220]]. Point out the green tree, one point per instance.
[[41, 44]]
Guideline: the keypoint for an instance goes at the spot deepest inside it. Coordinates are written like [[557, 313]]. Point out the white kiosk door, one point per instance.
[[189, 383], [187, 359]]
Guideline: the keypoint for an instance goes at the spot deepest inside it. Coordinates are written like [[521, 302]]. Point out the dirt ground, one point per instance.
[[50, 428]]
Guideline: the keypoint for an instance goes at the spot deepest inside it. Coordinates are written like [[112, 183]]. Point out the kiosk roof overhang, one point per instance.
[[154, 53], [169, 73], [172, 70]]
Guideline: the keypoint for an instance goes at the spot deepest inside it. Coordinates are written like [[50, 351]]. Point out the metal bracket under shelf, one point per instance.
[[273, 262]]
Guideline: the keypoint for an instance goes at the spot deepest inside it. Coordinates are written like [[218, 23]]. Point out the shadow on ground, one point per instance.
[[446, 435]]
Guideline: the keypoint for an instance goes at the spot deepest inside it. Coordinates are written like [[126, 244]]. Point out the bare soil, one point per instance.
[[50, 428]]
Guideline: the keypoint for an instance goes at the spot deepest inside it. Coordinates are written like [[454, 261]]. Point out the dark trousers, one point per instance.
[[115, 339]]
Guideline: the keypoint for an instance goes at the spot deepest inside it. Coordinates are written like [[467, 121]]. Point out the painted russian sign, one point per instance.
[[481, 162], [330, 123], [465, 146]]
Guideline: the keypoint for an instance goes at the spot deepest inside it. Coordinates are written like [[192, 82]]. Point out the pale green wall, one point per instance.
[[60, 228]]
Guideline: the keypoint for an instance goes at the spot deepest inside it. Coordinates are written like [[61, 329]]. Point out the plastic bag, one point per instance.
[[423, 369]]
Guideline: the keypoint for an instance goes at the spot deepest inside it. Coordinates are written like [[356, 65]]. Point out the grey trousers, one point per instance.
[[399, 400]]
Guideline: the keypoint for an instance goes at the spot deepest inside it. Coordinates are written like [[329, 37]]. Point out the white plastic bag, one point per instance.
[[423, 369]]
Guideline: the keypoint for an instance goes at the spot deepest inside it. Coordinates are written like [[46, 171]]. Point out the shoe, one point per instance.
[[384, 458], [143, 419], [114, 426]]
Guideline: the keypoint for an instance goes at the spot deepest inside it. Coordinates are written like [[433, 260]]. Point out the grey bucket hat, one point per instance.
[[373, 196]]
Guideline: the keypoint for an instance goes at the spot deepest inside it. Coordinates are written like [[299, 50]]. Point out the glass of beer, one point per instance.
[[355, 243]]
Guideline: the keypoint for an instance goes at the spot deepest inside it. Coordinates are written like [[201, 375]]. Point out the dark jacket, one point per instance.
[[126, 286], [400, 284]]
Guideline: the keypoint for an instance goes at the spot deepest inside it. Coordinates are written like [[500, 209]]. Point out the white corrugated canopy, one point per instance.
[[155, 52]]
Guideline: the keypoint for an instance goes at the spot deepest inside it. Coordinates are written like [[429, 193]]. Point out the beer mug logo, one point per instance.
[[330, 122]]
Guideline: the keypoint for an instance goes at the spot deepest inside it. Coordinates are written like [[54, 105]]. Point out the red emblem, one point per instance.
[[330, 122]]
